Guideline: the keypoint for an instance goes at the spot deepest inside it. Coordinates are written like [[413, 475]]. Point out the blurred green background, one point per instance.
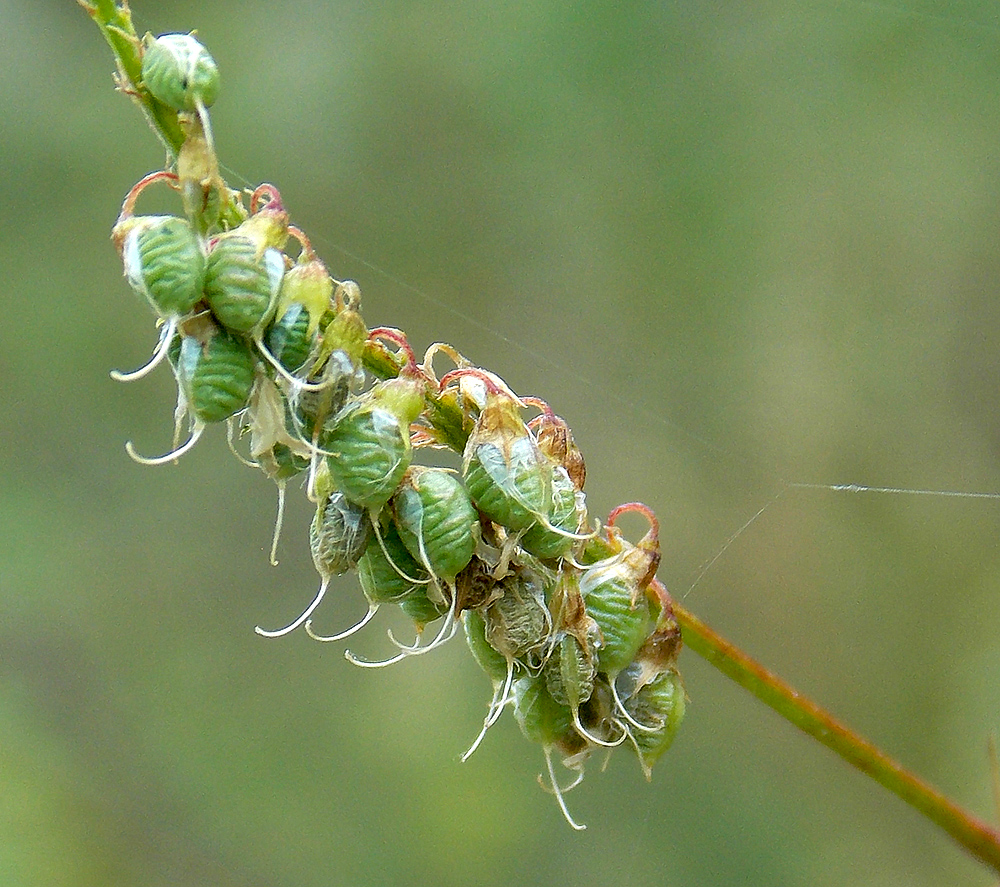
[[734, 244]]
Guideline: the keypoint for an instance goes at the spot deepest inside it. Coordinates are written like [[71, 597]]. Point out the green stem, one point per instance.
[[980, 839], [115, 23]]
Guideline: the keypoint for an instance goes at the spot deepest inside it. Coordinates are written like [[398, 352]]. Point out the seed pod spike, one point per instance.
[[173, 455], [161, 351], [301, 619]]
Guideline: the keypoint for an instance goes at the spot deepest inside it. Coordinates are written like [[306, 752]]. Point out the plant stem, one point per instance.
[[115, 22], [980, 839]]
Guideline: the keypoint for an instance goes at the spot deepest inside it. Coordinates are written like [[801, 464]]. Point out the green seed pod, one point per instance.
[[620, 609], [164, 262], [486, 656], [508, 487], [518, 622], [387, 572], [540, 717], [178, 71], [369, 447], [288, 339], [545, 721], [389, 575], [419, 606], [339, 534], [507, 476], [215, 374], [543, 541], [242, 282], [436, 521], [659, 704]]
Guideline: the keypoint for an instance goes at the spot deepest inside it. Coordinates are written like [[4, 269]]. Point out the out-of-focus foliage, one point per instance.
[[734, 245]]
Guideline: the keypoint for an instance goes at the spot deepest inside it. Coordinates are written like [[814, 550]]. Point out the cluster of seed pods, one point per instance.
[[564, 615]]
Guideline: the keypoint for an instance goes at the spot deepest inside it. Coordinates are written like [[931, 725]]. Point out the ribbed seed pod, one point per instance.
[[540, 717], [164, 262], [436, 521], [288, 339], [541, 540], [369, 447], [509, 487], [659, 704], [242, 282], [507, 476], [339, 534], [620, 609], [385, 570], [178, 71], [215, 375]]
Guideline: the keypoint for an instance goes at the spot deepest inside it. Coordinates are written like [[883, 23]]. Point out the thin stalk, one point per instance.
[[115, 22], [976, 836]]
